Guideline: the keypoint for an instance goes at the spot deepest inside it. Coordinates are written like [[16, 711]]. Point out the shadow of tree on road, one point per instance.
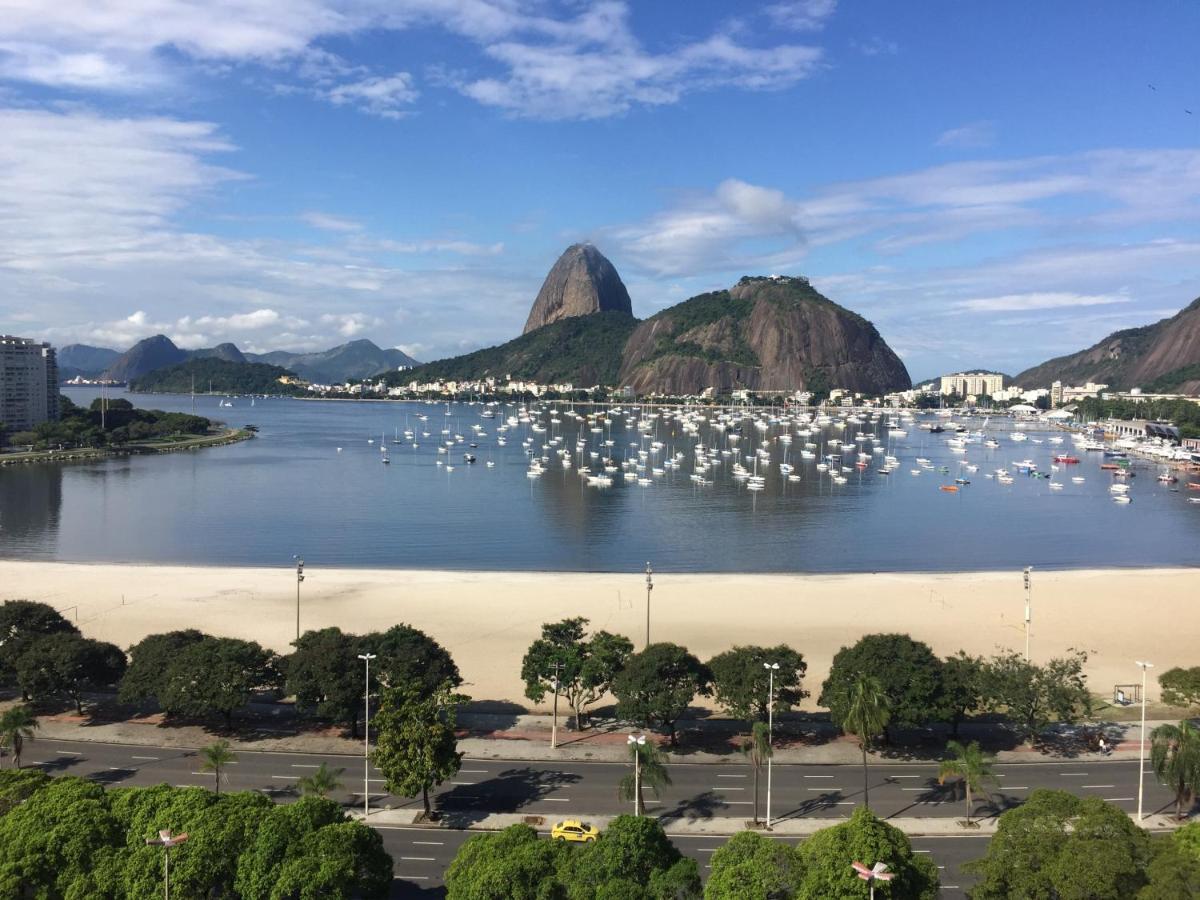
[[508, 792]]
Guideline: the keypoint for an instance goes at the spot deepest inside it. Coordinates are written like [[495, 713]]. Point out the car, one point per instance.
[[574, 830]]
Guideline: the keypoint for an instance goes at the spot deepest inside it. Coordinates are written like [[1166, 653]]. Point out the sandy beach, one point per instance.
[[487, 620]]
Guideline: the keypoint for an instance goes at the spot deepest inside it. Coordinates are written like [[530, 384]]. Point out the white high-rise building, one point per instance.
[[28, 383], [972, 384]]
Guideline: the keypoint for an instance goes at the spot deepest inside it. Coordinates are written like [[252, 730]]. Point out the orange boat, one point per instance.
[[1194, 485], [1109, 467], [953, 488]]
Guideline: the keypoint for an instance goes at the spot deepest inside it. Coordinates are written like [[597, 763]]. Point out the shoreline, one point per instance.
[[488, 619], [85, 454]]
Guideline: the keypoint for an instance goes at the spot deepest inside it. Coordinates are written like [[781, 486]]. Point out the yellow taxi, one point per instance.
[[574, 830]]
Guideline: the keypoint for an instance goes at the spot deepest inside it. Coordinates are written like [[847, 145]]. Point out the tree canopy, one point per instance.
[[1033, 695], [867, 839], [415, 747], [740, 680], [21, 623], [1180, 687], [325, 675], [149, 660], [586, 667], [657, 685], [216, 676], [408, 655], [907, 670], [750, 866]]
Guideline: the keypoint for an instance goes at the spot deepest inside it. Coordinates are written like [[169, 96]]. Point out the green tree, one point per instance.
[[18, 785], [325, 674], [149, 660], [17, 725], [962, 687], [651, 772], [512, 864], [907, 670], [1058, 845], [758, 750], [1032, 696], [657, 685], [828, 853], [407, 655], [1173, 873], [216, 676], [415, 745], [586, 670], [750, 866], [864, 713], [66, 665], [321, 783], [741, 682], [341, 861], [632, 858], [970, 766], [1175, 758], [21, 623], [216, 756], [1180, 687]]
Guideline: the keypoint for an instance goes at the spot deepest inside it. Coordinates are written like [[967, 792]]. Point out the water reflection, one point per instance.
[[31, 500]]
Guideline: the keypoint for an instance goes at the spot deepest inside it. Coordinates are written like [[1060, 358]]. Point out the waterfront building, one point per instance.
[[1056, 394], [28, 383], [967, 384], [1091, 389]]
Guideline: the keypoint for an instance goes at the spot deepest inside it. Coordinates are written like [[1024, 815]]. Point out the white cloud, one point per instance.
[[351, 325], [328, 222], [802, 15], [969, 136], [1036, 300], [387, 97]]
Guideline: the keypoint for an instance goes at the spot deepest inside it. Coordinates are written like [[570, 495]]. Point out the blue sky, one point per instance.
[[990, 184]]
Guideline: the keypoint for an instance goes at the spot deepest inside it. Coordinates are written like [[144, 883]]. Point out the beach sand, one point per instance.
[[487, 620]]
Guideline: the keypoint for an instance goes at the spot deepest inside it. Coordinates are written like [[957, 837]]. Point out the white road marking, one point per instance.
[[825, 790], [1097, 785], [818, 776], [1117, 799], [67, 753], [143, 757], [1073, 774], [410, 878], [429, 843], [558, 799], [905, 776], [304, 766], [719, 788], [418, 859], [732, 776], [473, 771], [459, 782]]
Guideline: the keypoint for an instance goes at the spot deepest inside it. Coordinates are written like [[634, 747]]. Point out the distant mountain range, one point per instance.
[[346, 362], [1163, 357], [766, 334]]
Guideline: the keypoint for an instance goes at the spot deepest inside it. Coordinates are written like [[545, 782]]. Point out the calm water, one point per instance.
[[291, 492]]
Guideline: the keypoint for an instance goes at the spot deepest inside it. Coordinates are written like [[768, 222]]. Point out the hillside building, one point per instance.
[[28, 383], [972, 384]]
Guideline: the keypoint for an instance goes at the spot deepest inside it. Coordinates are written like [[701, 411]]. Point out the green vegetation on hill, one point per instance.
[[1165, 384], [699, 312], [120, 424], [216, 375], [584, 350]]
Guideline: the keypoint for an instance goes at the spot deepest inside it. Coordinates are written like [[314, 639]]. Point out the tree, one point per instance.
[[972, 767], [741, 683], [864, 714], [216, 676], [750, 866], [149, 661], [512, 864], [1032, 695], [1058, 845], [320, 783], [18, 785], [962, 687], [650, 772], [828, 853], [1175, 758], [586, 668], [407, 655], [632, 858], [325, 674], [17, 725], [1180, 687], [21, 623], [657, 685], [907, 671], [216, 756], [758, 750], [342, 861], [416, 748], [66, 664], [1174, 871]]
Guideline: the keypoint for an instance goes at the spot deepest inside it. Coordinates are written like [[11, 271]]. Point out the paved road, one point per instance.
[[422, 856]]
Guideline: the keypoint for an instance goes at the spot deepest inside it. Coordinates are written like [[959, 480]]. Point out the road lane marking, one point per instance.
[[737, 802], [719, 788], [818, 776], [279, 777], [429, 843], [473, 771], [917, 789], [1117, 799], [418, 859], [707, 849], [304, 766], [67, 753], [557, 799], [143, 757], [732, 776], [1073, 774], [825, 790], [904, 776], [461, 782], [1097, 785], [1016, 787], [410, 878]]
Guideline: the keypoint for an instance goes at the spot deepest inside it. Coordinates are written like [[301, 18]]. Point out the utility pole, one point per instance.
[[1028, 607], [1142, 742], [649, 588], [557, 667], [771, 668], [165, 841], [299, 579], [636, 741], [367, 657]]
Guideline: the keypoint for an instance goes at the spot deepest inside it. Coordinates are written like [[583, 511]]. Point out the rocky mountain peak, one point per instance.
[[580, 283]]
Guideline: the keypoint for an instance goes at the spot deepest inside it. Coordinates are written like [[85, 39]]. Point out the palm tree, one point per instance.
[[650, 761], [216, 756], [321, 782], [865, 715], [758, 750], [1175, 757], [970, 765], [17, 725]]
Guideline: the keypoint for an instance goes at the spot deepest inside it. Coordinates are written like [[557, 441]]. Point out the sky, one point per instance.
[[990, 184]]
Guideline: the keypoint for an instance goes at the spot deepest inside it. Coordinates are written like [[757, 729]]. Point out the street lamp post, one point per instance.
[[166, 841], [1028, 607], [1142, 742], [557, 667], [299, 578], [649, 588], [366, 658], [878, 872], [636, 741], [771, 668]]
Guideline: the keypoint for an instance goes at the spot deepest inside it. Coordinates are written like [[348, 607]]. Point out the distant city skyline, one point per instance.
[[990, 186]]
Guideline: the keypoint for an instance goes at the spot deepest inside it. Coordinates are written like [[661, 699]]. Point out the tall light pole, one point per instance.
[[1142, 742], [367, 657], [299, 578], [636, 741], [771, 668], [1028, 607], [649, 588], [166, 841], [557, 667]]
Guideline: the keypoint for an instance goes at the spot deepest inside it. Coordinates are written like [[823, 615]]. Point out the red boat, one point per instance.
[[1194, 485], [1109, 467], [1064, 458]]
